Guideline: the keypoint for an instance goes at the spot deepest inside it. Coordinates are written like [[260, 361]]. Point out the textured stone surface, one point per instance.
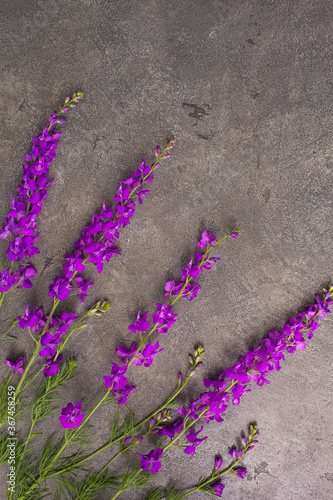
[[245, 87]]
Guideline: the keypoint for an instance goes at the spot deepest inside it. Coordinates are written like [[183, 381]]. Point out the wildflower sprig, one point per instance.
[[165, 317], [21, 222], [212, 485]]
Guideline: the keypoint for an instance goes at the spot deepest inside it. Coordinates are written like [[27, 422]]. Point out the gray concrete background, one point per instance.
[[245, 87]]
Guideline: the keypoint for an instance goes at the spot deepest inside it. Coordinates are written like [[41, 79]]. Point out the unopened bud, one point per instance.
[[139, 440]]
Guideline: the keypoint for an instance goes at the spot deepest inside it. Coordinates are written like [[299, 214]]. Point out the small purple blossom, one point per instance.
[[140, 324], [127, 354], [147, 355], [16, 366], [164, 317], [52, 368], [118, 383], [191, 271], [82, 287], [71, 417], [206, 239], [241, 473], [192, 438], [218, 488], [33, 320], [60, 288], [152, 459]]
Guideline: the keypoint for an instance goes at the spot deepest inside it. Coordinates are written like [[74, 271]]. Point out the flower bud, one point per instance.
[[139, 440], [218, 462]]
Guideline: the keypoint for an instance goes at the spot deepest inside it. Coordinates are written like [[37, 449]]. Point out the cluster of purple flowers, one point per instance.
[[57, 327], [118, 384], [20, 224], [203, 262], [257, 364], [19, 278], [144, 357], [97, 243], [232, 383]]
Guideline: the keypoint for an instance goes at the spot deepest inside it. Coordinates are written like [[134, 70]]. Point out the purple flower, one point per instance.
[[6, 281], [191, 291], [82, 287], [52, 368], [234, 234], [125, 353], [218, 462], [118, 383], [49, 342], [235, 455], [140, 324], [241, 473], [191, 271], [74, 264], [164, 317], [206, 239], [192, 438], [147, 355], [171, 430], [33, 320], [172, 288], [151, 459], [17, 365], [218, 488], [117, 379], [70, 416], [60, 288]]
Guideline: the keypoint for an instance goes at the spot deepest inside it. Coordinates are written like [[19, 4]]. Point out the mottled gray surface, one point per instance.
[[245, 87]]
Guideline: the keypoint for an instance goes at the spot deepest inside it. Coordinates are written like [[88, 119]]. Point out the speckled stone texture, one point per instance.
[[245, 87]]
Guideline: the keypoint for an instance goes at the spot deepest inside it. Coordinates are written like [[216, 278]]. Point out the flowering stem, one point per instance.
[[37, 348], [122, 436], [67, 442]]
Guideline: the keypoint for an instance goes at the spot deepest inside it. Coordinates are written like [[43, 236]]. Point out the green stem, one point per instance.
[[122, 436], [37, 348], [67, 442]]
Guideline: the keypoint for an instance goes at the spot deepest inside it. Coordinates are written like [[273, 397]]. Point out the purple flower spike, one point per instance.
[[140, 325], [192, 438], [17, 366], [151, 459], [70, 416], [218, 488]]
